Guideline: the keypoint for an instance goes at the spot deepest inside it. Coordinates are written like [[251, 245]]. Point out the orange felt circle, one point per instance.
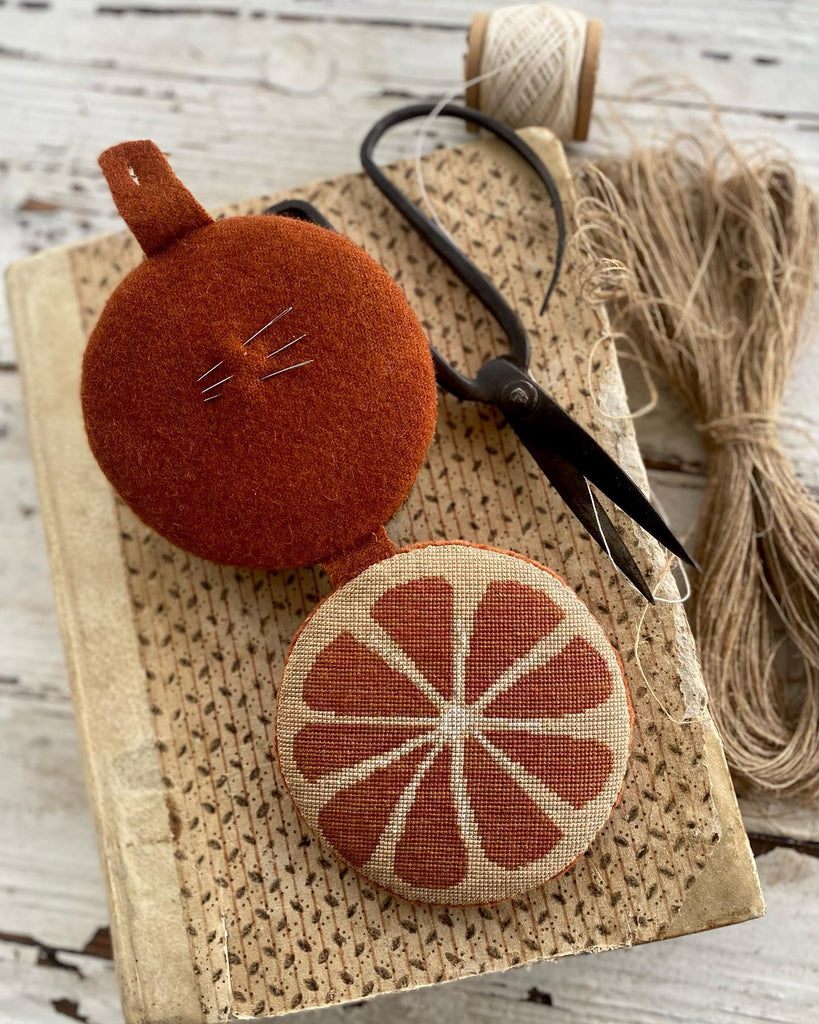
[[273, 473]]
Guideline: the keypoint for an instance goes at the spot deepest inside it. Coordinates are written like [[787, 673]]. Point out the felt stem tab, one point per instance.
[[375, 547], [152, 201]]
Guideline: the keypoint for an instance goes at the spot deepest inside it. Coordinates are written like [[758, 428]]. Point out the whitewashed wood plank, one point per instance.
[[219, 105], [731, 16], [246, 105], [746, 974], [36, 990], [754, 63], [50, 880], [315, 61]]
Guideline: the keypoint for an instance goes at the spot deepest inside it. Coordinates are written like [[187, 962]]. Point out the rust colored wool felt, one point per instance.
[[454, 724], [245, 465]]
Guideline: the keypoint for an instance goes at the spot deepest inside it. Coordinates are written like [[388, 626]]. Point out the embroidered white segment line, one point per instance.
[[322, 717], [555, 807], [384, 852], [467, 822], [552, 644], [328, 785], [381, 643], [593, 723], [460, 643]]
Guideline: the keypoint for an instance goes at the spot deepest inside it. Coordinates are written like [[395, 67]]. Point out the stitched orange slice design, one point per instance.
[[454, 724]]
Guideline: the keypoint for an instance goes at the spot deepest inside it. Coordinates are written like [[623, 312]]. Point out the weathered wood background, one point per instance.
[[250, 97]]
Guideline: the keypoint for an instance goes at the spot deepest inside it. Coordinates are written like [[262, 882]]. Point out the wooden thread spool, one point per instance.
[[587, 78]]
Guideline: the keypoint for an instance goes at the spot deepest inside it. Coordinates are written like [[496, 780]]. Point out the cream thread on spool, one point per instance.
[[546, 38], [534, 64]]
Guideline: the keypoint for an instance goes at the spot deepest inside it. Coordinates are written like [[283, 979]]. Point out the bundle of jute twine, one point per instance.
[[706, 256]]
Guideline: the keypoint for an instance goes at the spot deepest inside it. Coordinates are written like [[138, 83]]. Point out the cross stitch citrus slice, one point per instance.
[[454, 724]]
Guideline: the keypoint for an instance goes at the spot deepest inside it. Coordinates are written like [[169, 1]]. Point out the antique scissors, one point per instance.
[[567, 454]]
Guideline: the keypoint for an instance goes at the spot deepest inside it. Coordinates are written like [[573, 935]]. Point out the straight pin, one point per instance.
[[270, 323], [301, 337], [295, 366], [218, 382], [211, 397], [214, 367]]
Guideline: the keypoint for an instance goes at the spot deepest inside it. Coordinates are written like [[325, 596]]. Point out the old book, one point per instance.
[[221, 905]]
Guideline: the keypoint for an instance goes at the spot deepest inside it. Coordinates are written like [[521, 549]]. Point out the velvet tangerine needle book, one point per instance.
[[225, 900]]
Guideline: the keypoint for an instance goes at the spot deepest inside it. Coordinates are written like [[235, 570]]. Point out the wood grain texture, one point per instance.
[[78, 76], [248, 98]]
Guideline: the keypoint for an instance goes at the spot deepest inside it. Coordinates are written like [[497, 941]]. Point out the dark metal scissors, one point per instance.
[[567, 454]]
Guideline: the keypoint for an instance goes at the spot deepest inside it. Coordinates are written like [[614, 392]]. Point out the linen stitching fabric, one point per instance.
[[454, 724]]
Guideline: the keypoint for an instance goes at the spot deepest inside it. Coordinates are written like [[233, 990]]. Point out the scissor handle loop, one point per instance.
[[519, 351]]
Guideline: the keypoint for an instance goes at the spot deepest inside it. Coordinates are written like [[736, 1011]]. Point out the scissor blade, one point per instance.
[[572, 488], [550, 426]]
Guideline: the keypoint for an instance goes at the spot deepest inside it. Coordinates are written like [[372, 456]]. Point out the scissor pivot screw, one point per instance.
[[521, 395]]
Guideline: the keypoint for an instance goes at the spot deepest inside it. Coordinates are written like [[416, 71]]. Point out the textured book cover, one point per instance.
[[222, 904]]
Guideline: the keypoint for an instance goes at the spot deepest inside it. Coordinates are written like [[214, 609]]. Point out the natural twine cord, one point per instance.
[[706, 254]]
